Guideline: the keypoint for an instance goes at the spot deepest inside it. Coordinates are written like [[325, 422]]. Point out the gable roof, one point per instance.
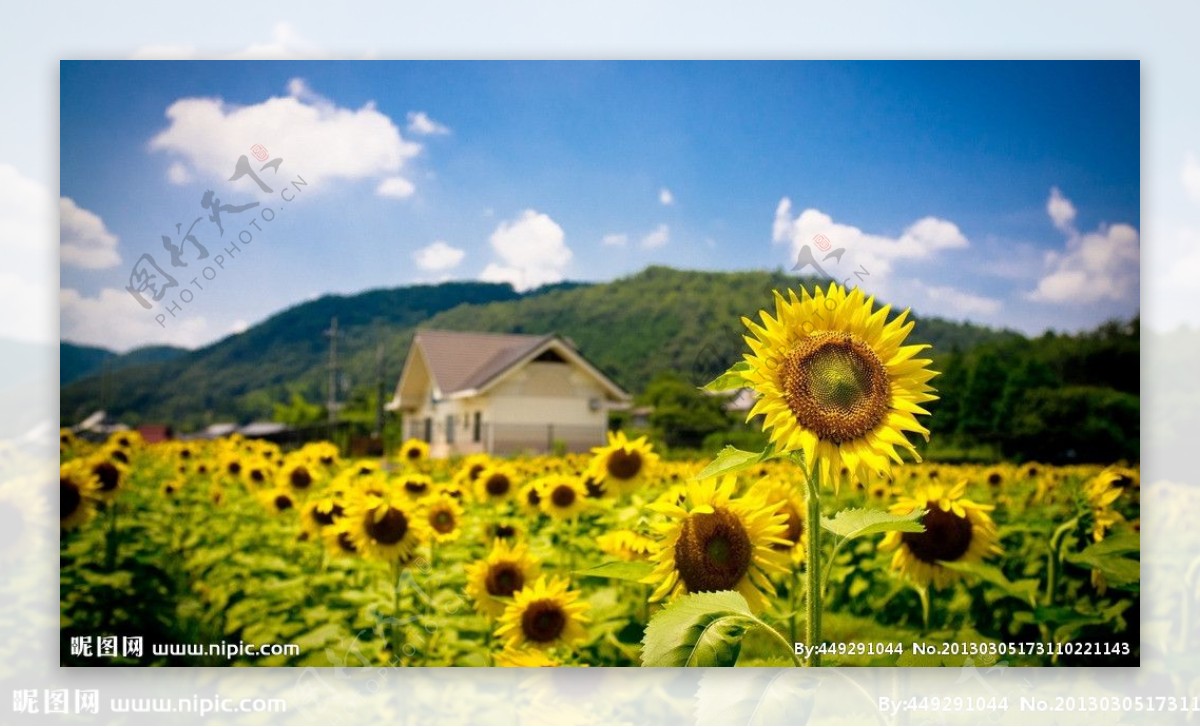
[[467, 363]]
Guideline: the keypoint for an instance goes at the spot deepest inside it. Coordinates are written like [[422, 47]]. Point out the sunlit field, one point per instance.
[[567, 560]]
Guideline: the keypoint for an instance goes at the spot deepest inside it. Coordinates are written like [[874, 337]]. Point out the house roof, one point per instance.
[[460, 361], [469, 362]]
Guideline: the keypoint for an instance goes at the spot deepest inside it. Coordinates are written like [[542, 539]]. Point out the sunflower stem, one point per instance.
[[1054, 559], [110, 540], [812, 568], [923, 594], [397, 631]]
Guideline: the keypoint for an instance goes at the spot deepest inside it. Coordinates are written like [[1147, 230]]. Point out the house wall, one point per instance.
[[535, 408]]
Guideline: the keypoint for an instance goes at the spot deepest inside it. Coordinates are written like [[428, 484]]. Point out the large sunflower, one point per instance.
[[384, 527], [78, 489], [622, 464], [543, 615], [493, 581], [835, 382], [110, 476], [957, 530], [716, 542]]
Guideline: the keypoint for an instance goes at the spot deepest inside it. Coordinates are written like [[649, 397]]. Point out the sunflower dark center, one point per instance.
[[389, 529], [624, 464], [256, 475], [504, 532], [543, 621], [300, 478], [497, 485], [995, 478], [836, 386], [283, 502], [594, 488], [947, 536], [327, 518], [416, 487], [345, 543], [443, 521], [532, 497], [563, 496], [234, 468], [795, 528], [504, 579], [413, 453], [713, 551], [69, 497], [475, 471], [120, 456], [108, 474]]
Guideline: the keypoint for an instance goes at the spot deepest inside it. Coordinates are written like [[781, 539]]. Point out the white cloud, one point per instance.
[[178, 174], [395, 188], [1061, 211], [1191, 177], [1100, 265], [420, 123], [665, 197], [616, 239], [657, 237], [27, 237], [438, 256], [922, 239], [951, 302], [315, 138], [239, 326], [531, 250], [84, 240], [114, 320], [285, 43]]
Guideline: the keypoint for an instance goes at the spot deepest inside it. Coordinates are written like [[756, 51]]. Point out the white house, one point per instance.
[[502, 393]]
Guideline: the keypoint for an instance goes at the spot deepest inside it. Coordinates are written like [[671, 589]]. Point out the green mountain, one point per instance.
[[78, 362], [633, 328]]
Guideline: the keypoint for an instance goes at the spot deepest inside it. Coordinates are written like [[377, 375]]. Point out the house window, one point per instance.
[[550, 356], [429, 429], [449, 429], [477, 434]]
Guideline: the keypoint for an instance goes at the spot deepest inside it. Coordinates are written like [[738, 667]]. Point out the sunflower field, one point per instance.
[[833, 546], [539, 561]]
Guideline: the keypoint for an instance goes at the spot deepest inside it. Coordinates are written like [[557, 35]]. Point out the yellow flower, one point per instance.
[[544, 615], [562, 496], [278, 500], [524, 658], [623, 464], [493, 581], [786, 500], [78, 490], [297, 474], [415, 486], [319, 514], [444, 515], [110, 476], [625, 545], [414, 451], [957, 530], [384, 527], [716, 542], [835, 381], [495, 484]]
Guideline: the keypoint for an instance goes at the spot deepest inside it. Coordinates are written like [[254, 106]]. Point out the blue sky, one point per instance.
[[1005, 193]]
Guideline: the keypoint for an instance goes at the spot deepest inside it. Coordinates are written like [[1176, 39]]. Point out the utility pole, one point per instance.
[[331, 403]]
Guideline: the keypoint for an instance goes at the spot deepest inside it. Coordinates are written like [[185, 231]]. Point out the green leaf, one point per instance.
[[1118, 571], [1025, 589], [859, 522], [619, 570], [1119, 544], [730, 380], [732, 460], [701, 629]]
